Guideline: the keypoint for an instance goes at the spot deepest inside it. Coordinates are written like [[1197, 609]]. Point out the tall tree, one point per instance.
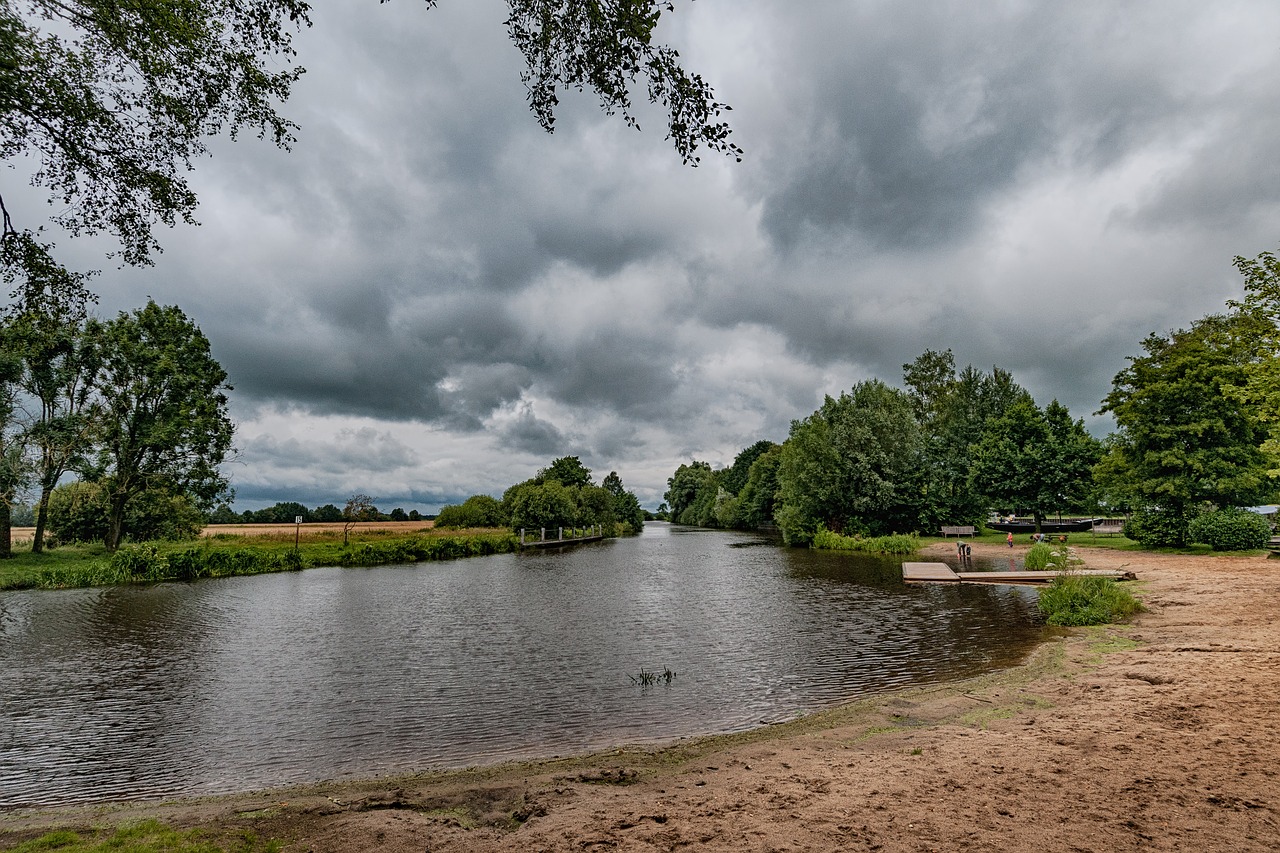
[[1184, 438], [160, 414], [844, 467], [14, 466], [683, 488], [47, 323], [1041, 461], [952, 410], [1261, 388]]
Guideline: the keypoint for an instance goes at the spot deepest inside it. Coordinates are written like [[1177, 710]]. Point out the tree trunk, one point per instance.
[[1039, 517], [6, 530], [42, 518], [115, 529]]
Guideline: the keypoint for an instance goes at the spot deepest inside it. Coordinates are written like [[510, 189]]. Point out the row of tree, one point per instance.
[[286, 512], [561, 495], [879, 460], [1198, 428], [133, 405]]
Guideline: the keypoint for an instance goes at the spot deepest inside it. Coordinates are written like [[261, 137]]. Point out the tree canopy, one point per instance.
[[1184, 438], [160, 411]]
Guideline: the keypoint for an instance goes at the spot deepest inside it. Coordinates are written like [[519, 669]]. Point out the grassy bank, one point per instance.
[[227, 555]]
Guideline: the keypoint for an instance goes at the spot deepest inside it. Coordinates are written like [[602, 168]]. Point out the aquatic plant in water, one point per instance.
[[648, 679]]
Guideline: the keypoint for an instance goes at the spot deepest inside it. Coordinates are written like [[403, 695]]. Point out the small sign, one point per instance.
[[297, 519]]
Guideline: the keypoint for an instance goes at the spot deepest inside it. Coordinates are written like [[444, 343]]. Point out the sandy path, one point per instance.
[[1162, 735]]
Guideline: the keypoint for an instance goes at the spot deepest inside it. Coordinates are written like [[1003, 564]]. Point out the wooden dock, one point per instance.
[[557, 543], [942, 573]]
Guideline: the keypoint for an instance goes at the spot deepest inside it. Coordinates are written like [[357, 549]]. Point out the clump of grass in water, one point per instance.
[[1073, 600], [648, 679]]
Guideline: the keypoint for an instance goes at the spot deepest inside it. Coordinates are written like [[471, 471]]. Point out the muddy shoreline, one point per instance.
[[1160, 735]]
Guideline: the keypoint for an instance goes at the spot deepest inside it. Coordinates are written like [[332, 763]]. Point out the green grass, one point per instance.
[[147, 837], [1085, 600], [226, 556]]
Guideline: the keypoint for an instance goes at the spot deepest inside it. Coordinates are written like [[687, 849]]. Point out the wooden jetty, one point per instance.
[[594, 533], [556, 543], [942, 573]]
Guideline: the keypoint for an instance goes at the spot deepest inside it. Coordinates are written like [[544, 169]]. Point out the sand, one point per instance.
[[1159, 735]]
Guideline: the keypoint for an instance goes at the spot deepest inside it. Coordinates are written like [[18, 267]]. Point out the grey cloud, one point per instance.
[[531, 434], [1035, 186]]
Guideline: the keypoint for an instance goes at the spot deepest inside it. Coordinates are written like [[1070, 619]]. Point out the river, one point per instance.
[[242, 683]]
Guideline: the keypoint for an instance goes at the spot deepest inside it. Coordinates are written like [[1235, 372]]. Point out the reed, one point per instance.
[[897, 543], [648, 679]]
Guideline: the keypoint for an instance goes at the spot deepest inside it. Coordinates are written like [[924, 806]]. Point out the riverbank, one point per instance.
[[244, 550], [1160, 735]]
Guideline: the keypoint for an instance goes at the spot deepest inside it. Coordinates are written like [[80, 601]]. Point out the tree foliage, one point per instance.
[[112, 101], [1230, 529], [953, 410], [1036, 461], [847, 466], [581, 44], [475, 511], [160, 413], [1184, 437], [1261, 387]]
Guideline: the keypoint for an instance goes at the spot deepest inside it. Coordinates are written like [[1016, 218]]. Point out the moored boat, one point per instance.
[[1079, 525]]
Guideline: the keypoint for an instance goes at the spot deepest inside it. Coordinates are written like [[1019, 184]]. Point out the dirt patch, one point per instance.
[[1160, 735]]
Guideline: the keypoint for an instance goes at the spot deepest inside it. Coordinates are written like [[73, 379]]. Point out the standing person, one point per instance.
[[1009, 538]]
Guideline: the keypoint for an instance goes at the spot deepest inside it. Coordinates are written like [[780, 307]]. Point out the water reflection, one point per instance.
[[249, 682]]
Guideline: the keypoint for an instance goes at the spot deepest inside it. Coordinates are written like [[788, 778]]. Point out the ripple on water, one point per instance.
[[268, 680]]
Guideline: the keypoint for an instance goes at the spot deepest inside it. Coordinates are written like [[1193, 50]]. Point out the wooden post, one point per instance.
[[561, 534]]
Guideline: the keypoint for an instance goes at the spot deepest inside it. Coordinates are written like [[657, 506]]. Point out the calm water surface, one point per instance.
[[244, 683]]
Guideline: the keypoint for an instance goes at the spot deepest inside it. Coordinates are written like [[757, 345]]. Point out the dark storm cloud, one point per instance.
[[1032, 185], [903, 121]]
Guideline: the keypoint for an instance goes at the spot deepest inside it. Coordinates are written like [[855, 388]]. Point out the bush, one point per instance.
[[143, 562], [1160, 528], [475, 511], [1230, 530], [895, 544], [1086, 600]]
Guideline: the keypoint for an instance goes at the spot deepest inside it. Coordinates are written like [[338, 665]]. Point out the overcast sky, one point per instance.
[[429, 297]]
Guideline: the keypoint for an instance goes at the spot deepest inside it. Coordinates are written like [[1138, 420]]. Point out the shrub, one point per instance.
[[1160, 528], [894, 544], [1230, 530], [143, 562], [1074, 599], [1037, 557]]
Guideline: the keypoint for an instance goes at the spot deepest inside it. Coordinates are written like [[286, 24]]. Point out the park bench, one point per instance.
[[957, 530]]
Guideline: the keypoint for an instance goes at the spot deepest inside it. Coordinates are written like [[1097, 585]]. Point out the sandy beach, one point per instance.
[[1159, 735]]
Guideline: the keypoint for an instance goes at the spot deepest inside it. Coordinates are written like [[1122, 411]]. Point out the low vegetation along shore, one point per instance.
[[1155, 735], [225, 551]]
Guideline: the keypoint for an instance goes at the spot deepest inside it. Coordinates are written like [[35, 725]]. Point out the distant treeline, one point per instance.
[[286, 512], [560, 495]]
